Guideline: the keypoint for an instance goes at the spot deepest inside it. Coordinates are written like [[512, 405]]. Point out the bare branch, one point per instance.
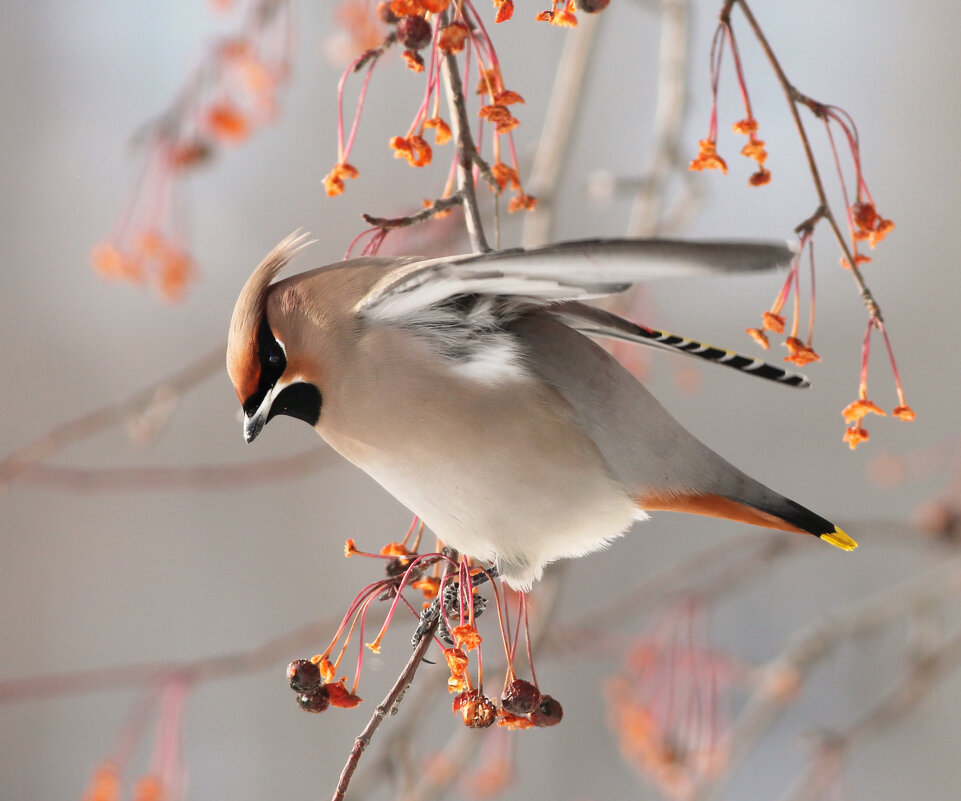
[[466, 152], [199, 478], [809, 645], [139, 674], [389, 704], [794, 97], [554, 141], [112, 414]]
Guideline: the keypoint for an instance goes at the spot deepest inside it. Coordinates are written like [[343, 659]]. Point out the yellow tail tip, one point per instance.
[[839, 539]]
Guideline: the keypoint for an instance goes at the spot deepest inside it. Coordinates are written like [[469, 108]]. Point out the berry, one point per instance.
[[303, 675], [520, 697], [414, 32], [315, 700], [548, 713], [592, 6]]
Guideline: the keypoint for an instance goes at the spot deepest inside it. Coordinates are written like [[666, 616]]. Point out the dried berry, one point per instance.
[[414, 32], [479, 712], [592, 6], [303, 676], [520, 697], [548, 713], [315, 700]]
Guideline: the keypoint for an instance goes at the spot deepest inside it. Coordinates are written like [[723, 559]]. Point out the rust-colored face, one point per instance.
[[257, 360]]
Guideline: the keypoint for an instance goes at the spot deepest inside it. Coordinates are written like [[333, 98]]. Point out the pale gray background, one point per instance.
[[98, 580]]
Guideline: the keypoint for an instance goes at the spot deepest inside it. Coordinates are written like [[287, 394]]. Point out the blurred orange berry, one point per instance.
[[855, 435], [505, 10], [226, 123], [513, 722], [413, 61], [759, 337], [453, 37], [773, 322], [104, 784], [522, 202], [505, 175], [860, 408], [340, 697], [422, 152], [905, 413], [507, 97], [799, 353], [707, 158], [466, 636], [442, 133]]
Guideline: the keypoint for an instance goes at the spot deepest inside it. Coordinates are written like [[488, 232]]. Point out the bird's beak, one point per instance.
[[253, 426], [254, 423]]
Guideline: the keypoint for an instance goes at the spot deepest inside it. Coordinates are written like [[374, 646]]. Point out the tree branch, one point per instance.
[[92, 423], [466, 151], [389, 704]]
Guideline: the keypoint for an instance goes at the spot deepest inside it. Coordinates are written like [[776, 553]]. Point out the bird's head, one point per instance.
[[270, 370]]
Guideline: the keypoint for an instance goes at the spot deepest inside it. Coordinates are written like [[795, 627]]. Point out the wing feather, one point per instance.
[[601, 323], [565, 271]]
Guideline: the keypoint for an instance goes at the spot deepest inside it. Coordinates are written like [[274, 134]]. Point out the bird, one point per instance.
[[472, 389]]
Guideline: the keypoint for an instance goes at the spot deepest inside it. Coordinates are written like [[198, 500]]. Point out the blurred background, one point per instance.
[[97, 576]]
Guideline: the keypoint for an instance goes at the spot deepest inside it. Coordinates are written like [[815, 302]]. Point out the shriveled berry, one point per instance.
[[479, 712], [592, 6], [520, 698], [385, 14], [303, 676], [464, 698], [315, 700], [548, 713], [414, 32]]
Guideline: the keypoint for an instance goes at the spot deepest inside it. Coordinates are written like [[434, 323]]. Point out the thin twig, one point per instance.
[[462, 746], [391, 223], [794, 97], [140, 674], [196, 478], [669, 115], [901, 699], [815, 640], [466, 151], [389, 704], [112, 414]]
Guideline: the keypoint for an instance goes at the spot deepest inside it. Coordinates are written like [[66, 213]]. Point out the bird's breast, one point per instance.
[[498, 469]]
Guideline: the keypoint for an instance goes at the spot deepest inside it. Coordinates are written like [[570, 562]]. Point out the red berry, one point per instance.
[[414, 32], [548, 713], [315, 700], [520, 698], [592, 6], [303, 676]]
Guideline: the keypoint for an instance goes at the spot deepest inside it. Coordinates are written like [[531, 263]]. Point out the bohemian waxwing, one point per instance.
[[468, 388]]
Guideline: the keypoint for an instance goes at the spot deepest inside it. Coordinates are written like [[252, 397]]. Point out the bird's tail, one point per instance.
[[767, 509]]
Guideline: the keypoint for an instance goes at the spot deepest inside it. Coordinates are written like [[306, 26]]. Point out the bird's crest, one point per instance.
[[243, 363]]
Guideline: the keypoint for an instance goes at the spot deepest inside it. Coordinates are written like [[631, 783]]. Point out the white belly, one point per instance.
[[500, 472]]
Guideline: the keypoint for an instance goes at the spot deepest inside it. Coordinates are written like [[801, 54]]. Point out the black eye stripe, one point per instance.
[[273, 362]]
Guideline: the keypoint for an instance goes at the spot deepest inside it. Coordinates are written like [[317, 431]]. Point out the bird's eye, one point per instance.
[[275, 355]]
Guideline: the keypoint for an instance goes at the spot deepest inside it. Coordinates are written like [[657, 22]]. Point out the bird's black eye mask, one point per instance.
[[273, 362], [300, 400]]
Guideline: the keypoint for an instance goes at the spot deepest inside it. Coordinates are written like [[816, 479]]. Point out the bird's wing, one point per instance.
[[565, 271], [597, 322]]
